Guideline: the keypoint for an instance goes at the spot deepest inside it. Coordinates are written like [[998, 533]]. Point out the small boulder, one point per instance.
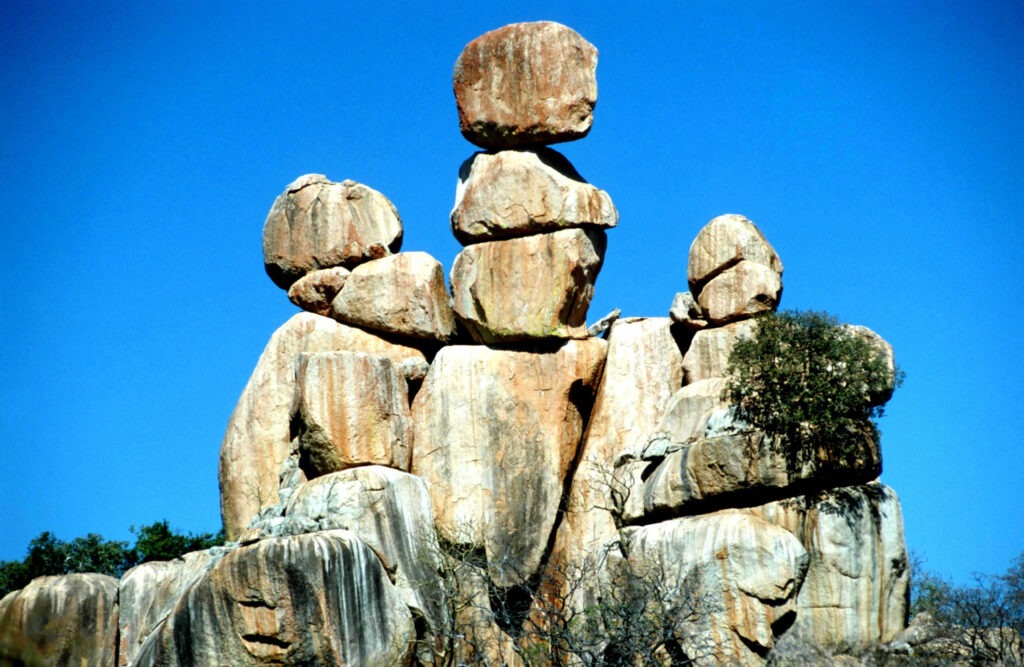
[[516, 193], [742, 290], [317, 224], [402, 294], [315, 291], [708, 354], [526, 84], [722, 243]]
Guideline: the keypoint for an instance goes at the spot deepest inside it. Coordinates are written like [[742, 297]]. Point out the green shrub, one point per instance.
[[812, 383]]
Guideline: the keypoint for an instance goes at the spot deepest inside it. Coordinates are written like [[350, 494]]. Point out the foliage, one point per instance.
[[601, 613], [811, 383], [48, 555], [982, 622]]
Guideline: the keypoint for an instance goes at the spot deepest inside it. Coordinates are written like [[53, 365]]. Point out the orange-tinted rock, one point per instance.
[[723, 243], [526, 84], [315, 291], [533, 287], [516, 193], [65, 620], [317, 224]]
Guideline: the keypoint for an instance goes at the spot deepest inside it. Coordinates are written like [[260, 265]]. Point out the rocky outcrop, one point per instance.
[[518, 488], [497, 433], [305, 599], [402, 294], [526, 84], [516, 193], [553, 275], [317, 224], [258, 437], [65, 620]]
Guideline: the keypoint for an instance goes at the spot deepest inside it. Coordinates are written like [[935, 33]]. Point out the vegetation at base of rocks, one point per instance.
[[597, 614], [811, 383], [979, 623], [48, 555]]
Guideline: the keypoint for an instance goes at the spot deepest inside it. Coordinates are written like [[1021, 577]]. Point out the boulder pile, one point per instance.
[[418, 475]]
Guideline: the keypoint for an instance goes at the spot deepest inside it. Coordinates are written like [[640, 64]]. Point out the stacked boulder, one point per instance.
[[416, 478]]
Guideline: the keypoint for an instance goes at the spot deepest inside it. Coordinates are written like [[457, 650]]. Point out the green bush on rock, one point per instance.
[[812, 383]]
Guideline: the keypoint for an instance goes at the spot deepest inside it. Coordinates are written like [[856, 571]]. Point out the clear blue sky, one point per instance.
[[880, 147]]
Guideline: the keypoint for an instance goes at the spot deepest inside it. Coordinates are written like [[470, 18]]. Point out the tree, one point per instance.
[[158, 542], [814, 385], [982, 623], [48, 555]]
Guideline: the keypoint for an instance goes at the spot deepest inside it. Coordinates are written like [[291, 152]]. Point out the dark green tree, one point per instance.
[[812, 383], [158, 542]]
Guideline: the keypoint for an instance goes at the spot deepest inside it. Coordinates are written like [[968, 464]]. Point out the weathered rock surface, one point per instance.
[[317, 224], [643, 371], [526, 84], [855, 592], [686, 415], [686, 312], [723, 243], [516, 193], [496, 434], [316, 290], [353, 410], [65, 620], [322, 598], [388, 509], [742, 290], [740, 572], [741, 466], [534, 287], [147, 594], [402, 294], [708, 354], [258, 436]]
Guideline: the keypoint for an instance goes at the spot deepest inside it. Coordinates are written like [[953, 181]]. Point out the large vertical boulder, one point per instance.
[[526, 84], [497, 433], [740, 575], [316, 224], [64, 620], [352, 409], [855, 592], [258, 437], [533, 287], [316, 599], [517, 193]]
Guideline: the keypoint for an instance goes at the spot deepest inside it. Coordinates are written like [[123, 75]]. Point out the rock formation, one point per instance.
[[414, 475]]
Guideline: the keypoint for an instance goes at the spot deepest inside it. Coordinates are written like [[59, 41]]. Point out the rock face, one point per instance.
[[66, 620], [317, 224], [856, 587], [496, 435], [354, 409], [402, 294], [516, 193], [553, 275], [258, 437], [739, 574], [526, 84], [290, 600], [147, 593], [540, 496]]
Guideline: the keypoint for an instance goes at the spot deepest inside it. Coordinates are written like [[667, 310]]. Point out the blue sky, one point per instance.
[[878, 146]]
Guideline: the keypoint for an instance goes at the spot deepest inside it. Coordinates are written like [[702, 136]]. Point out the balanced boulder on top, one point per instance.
[[526, 84]]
